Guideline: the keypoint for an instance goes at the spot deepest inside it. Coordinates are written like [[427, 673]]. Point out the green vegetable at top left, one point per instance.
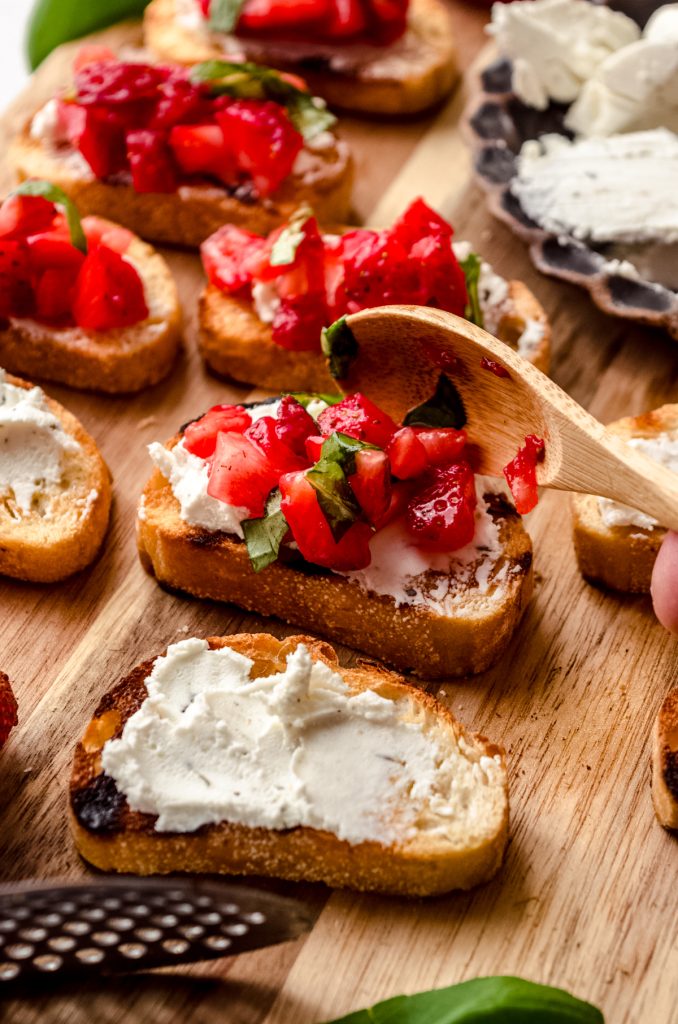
[[53, 22]]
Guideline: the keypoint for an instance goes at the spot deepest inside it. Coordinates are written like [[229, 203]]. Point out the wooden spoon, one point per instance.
[[404, 349]]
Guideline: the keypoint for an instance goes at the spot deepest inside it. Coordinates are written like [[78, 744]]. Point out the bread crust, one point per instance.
[[406, 78], [620, 557], [236, 344], [127, 841], [192, 213], [42, 550], [411, 638], [119, 361], [665, 762]]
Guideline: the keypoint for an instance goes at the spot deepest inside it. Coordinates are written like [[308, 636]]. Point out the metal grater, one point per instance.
[[127, 924]]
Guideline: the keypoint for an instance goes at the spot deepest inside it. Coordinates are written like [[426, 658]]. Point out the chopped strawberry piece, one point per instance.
[[228, 255], [21, 216], [92, 53], [200, 437], [521, 474], [441, 515], [269, 16], [118, 82], [264, 140], [359, 418], [54, 294], [407, 454], [71, 120], [335, 290], [102, 232], [313, 446], [376, 270], [205, 7], [150, 161], [401, 492], [388, 19], [442, 444], [347, 19], [312, 533], [54, 250], [263, 433], [16, 294], [241, 475], [294, 425], [298, 323], [8, 709], [102, 142], [420, 221], [109, 292], [371, 483], [201, 149], [180, 100]]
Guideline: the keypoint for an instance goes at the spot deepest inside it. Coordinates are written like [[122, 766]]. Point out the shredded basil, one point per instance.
[[339, 346], [471, 267], [444, 409], [290, 238], [264, 535], [329, 479], [306, 397], [54, 194], [224, 14]]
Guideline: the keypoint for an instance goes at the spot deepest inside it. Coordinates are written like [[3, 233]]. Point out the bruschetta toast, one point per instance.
[[615, 544], [85, 303], [55, 488], [388, 792], [360, 63], [267, 300], [665, 762], [173, 153]]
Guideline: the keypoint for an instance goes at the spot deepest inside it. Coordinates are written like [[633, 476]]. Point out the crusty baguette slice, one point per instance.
[[620, 557], [665, 762], [118, 361], [217, 566], [444, 854], [47, 547], [235, 343], [406, 77], [190, 215]]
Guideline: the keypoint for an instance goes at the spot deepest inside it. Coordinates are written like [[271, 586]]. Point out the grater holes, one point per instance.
[[20, 951], [218, 942], [48, 962], [133, 950], [61, 943], [8, 972], [175, 946], [120, 924], [90, 955], [148, 934], [105, 938], [237, 928]]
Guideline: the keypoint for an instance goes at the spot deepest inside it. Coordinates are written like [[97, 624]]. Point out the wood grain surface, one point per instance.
[[588, 896]]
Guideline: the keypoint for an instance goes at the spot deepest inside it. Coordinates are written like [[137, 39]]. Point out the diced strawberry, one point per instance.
[[54, 250], [521, 474], [358, 417], [401, 492], [313, 446], [264, 140], [92, 53], [263, 434], [312, 533], [109, 292], [241, 475], [16, 293], [294, 425], [441, 515], [118, 82], [442, 283], [347, 19], [388, 20], [442, 444], [420, 221], [407, 454], [8, 709], [376, 269], [21, 216], [102, 142], [202, 149], [200, 437], [298, 323], [228, 256], [180, 100], [102, 232], [150, 161], [335, 290], [371, 483], [54, 294], [269, 16], [70, 124]]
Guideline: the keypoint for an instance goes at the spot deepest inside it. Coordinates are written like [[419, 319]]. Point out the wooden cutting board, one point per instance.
[[588, 896]]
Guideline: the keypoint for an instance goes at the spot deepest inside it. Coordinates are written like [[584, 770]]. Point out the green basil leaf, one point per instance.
[[56, 195], [308, 113], [264, 536], [444, 409], [503, 1000], [290, 238], [224, 14], [342, 449], [339, 346], [471, 267], [328, 478], [306, 397], [53, 22]]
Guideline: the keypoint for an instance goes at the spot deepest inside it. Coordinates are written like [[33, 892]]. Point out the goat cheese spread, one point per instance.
[[554, 44], [663, 448], [617, 189], [32, 446], [296, 748]]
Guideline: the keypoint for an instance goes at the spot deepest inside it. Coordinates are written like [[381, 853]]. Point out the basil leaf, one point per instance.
[[471, 267], [224, 15], [308, 113], [503, 1000], [290, 238], [264, 535], [444, 409], [339, 346], [342, 449], [54, 194], [53, 22], [328, 478], [306, 397]]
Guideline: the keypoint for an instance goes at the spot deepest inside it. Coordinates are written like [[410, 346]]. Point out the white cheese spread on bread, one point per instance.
[[662, 448], [211, 744], [32, 447]]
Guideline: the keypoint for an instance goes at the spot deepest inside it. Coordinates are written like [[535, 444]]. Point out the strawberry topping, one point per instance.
[[8, 709], [521, 474], [377, 22]]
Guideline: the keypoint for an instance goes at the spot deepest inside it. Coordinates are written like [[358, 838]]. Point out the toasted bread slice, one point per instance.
[[406, 77], [665, 763], [453, 847], [192, 213], [488, 598], [621, 556], [122, 360], [235, 343], [64, 530]]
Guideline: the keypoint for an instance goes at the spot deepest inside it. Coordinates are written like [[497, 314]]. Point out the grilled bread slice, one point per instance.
[[65, 527], [235, 343], [488, 598], [455, 845], [408, 76], [665, 762], [123, 360], [621, 556], [192, 213]]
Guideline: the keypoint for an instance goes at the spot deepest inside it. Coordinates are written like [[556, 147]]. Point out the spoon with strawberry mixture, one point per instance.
[[518, 421]]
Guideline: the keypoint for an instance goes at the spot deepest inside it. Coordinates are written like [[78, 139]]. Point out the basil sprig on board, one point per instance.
[[501, 1000], [471, 267], [54, 22], [53, 194], [329, 480], [308, 113], [263, 536], [224, 14]]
